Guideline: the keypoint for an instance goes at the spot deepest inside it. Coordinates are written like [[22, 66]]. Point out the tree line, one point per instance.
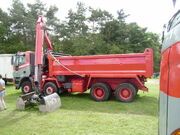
[[84, 31]]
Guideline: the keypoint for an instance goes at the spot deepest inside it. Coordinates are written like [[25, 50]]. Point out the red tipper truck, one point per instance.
[[119, 74]]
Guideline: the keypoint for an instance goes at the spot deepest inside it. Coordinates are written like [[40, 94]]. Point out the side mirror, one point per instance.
[[164, 28], [12, 60], [16, 68]]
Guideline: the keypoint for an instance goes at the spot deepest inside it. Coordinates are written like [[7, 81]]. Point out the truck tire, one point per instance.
[[100, 92], [125, 92], [26, 87], [50, 88]]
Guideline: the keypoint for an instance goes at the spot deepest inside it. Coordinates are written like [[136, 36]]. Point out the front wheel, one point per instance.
[[50, 88], [125, 92], [26, 87]]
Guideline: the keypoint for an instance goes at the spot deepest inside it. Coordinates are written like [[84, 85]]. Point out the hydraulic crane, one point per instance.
[[47, 103]]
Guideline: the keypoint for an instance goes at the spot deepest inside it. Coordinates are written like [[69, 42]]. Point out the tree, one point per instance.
[[4, 27], [24, 20], [114, 32], [77, 21], [8, 40], [18, 19], [86, 31], [121, 15], [33, 11], [52, 21], [98, 18]]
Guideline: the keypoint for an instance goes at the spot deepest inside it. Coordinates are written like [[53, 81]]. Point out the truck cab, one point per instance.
[[23, 65], [169, 79]]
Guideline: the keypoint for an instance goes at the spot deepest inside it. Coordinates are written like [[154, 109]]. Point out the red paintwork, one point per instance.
[[170, 71], [50, 79], [39, 42], [105, 65], [164, 71], [112, 69], [78, 84], [41, 36]]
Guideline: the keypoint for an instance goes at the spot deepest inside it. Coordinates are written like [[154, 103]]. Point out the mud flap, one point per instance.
[[50, 103]]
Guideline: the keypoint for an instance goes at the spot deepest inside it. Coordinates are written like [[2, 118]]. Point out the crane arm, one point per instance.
[[41, 37]]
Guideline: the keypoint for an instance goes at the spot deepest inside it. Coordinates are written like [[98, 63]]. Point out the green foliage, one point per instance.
[[76, 25], [121, 15], [23, 20], [85, 31], [98, 18]]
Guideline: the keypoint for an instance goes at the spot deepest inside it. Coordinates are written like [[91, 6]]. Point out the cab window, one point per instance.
[[175, 20], [19, 60], [22, 60]]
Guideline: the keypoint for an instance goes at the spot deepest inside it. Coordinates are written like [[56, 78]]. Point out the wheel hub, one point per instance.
[[99, 92], [125, 93], [26, 89], [49, 90]]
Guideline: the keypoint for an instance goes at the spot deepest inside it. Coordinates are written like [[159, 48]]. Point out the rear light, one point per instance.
[[176, 132]]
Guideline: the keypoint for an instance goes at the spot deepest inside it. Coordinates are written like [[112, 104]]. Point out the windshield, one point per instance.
[[175, 20], [19, 60]]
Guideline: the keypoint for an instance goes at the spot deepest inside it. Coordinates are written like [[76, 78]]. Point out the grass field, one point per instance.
[[79, 115]]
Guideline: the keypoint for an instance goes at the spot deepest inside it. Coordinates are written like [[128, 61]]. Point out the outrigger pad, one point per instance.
[[20, 104], [23, 101], [51, 103]]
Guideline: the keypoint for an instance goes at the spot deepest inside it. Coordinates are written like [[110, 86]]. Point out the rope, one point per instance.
[[56, 60]]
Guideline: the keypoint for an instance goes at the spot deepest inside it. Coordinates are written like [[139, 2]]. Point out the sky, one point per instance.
[[152, 14]]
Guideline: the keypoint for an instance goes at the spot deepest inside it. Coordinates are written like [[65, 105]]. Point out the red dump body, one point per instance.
[[116, 66]]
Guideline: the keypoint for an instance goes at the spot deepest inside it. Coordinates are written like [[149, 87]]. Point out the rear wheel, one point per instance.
[[100, 92], [125, 92], [50, 88], [26, 87]]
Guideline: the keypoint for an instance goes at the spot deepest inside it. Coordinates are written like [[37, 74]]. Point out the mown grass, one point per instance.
[[79, 115]]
